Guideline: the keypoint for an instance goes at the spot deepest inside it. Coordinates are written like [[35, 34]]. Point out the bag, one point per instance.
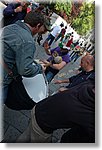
[[17, 98]]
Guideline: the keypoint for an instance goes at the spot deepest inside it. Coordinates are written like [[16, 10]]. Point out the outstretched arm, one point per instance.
[[47, 48], [11, 10], [59, 66], [61, 81]]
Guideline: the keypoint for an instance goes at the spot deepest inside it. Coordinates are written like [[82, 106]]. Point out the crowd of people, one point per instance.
[[72, 106]]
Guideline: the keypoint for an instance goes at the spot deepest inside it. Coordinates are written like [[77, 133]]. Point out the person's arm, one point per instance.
[[61, 81], [25, 61], [62, 89], [45, 63], [47, 48], [18, 9], [59, 66], [11, 10], [69, 80]]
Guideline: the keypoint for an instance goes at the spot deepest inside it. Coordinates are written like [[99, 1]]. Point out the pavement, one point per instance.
[[15, 122]]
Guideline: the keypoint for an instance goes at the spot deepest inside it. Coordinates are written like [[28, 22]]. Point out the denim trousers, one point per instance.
[[49, 76], [50, 38]]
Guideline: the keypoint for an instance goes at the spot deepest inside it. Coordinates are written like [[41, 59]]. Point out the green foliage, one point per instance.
[[63, 6], [85, 21]]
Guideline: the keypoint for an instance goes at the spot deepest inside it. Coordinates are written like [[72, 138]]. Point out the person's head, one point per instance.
[[62, 25], [65, 27], [36, 22], [87, 63], [58, 59]]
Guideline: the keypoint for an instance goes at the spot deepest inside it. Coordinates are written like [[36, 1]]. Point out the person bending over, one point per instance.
[[74, 108]]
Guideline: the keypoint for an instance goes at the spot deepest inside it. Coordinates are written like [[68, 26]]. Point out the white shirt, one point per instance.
[[56, 30]]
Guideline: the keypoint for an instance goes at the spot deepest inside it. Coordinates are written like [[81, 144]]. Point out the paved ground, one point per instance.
[[15, 122]]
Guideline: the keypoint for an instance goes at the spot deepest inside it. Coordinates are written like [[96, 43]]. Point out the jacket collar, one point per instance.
[[23, 25]]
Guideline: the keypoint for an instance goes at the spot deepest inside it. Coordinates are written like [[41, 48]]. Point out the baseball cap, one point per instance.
[[47, 23], [61, 45]]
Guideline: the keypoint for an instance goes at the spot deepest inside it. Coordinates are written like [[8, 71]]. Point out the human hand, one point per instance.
[[43, 67], [44, 61], [62, 89], [46, 45], [18, 9], [48, 64], [57, 81]]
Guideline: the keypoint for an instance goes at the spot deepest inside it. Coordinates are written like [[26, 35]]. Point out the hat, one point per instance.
[[65, 47], [47, 23], [61, 45]]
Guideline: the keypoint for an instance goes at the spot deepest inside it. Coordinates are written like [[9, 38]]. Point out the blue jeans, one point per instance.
[[59, 36], [49, 76], [50, 38]]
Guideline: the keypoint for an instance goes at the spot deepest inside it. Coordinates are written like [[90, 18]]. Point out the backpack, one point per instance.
[[17, 97]]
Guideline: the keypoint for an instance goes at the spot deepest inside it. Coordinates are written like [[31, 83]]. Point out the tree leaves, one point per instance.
[[85, 21], [79, 14]]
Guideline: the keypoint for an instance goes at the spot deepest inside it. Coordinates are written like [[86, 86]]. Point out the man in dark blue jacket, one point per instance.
[[73, 108], [14, 12], [88, 72]]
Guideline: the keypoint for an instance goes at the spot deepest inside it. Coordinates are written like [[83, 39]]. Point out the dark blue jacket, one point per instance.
[[10, 16], [81, 77]]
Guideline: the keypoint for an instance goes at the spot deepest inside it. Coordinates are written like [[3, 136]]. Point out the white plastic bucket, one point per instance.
[[36, 87]]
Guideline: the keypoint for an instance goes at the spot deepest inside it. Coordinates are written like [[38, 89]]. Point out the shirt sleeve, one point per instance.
[[66, 58], [52, 50], [75, 76], [25, 61], [9, 10]]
